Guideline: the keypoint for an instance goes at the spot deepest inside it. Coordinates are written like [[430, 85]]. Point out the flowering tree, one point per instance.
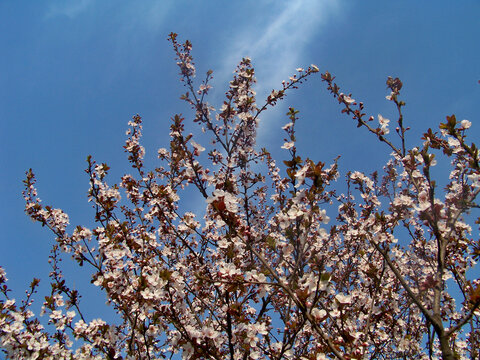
[[265, 274]]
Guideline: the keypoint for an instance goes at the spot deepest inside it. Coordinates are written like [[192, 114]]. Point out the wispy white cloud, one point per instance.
[[70, 8], [278, 43], [145, 14]]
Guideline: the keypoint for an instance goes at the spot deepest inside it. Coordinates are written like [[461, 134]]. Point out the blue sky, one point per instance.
[[73, 72]]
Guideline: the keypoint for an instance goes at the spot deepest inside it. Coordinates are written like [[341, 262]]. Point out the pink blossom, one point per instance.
[[288, 145]]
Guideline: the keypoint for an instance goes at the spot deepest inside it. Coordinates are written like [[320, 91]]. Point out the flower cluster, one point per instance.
[[276, 262]]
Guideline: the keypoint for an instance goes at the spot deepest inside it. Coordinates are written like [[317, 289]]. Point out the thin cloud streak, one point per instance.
[[70, 8], [277, 46]]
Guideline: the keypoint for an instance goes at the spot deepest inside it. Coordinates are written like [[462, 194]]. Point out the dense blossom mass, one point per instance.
[[269, 270]]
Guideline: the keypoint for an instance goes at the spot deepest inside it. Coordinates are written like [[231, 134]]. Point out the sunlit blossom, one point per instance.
[[288, 145]]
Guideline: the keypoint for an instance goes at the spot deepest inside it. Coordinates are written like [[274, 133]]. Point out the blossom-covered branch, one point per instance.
[[282, 261]]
